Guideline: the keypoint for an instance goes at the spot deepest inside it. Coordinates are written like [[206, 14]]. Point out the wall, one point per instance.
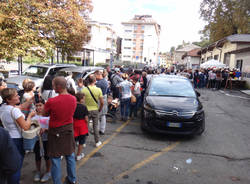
[[245, 66]]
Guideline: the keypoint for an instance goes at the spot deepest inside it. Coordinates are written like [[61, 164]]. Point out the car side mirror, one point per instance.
[[197, 93]]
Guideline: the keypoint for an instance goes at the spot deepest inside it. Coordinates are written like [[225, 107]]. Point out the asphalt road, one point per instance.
[[128, 155]]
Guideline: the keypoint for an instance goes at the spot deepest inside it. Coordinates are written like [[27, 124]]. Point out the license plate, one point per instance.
[[175, 125]]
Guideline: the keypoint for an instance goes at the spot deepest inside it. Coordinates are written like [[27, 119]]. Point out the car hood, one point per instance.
[[18, 80], [166, 103]]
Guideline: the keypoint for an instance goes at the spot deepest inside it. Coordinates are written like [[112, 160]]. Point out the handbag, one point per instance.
[[29, 136], [133, 99]]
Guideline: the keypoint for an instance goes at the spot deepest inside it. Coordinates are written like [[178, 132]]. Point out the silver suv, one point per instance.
[[36, 73]]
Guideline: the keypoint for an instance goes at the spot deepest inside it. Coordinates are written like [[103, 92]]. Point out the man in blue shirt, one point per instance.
[[103, 84]]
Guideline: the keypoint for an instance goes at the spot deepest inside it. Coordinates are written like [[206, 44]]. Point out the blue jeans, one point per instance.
[[14, 178], [125, 104], [56, 172], [135, 106]]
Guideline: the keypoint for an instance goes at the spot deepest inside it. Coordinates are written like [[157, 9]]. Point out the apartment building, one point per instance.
[[101, 46], [141, 38]]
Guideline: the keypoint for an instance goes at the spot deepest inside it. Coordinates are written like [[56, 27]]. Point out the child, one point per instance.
[[44, 123], [29, 89], [80, 85], [80, 124]]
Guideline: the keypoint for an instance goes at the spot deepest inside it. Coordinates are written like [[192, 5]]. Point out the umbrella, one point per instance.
[[213, 64]]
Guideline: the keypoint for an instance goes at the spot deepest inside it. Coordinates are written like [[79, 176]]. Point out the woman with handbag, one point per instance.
[[13, 121]]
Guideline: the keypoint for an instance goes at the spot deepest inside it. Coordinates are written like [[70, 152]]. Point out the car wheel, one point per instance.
[[202, 128]]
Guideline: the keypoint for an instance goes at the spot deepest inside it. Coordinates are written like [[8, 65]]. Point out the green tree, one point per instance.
[[38, 27], [225, 17]]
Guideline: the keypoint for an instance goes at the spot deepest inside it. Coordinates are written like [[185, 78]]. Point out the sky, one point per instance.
[[179, 19]]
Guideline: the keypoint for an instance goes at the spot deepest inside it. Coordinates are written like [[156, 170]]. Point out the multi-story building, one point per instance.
[[102, 44], [178, 59], [192, 58], [141, 38]]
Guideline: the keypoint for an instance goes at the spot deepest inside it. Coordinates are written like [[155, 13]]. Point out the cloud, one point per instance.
[[179, 19]]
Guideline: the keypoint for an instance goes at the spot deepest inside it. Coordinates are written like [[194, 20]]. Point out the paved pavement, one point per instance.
[[128, 155], [246, 92]]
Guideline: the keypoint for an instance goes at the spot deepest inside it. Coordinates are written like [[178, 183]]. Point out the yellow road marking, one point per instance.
[[144, 162], [86, 158]]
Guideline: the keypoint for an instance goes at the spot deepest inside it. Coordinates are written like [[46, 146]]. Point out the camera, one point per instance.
[[36, 95]]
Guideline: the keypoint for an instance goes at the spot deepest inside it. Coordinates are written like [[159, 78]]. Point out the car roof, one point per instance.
[[54, 65], [81, 69]]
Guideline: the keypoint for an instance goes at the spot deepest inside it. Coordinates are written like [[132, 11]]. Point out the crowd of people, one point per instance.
[[67, 109]]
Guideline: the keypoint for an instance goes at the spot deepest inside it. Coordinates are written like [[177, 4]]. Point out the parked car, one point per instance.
[[37, 73], [79, 72], [13, 73], [171, 106]]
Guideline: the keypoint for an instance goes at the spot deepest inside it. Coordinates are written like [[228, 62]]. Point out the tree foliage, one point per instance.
[[40, 26], [225, 17]]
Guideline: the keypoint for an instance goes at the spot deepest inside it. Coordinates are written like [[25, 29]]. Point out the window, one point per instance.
[[128, 31], [166, 87], [127, 39], [127, 56], [216, 57], [127, 47], [239, 64], [35, 71], [209, 58]]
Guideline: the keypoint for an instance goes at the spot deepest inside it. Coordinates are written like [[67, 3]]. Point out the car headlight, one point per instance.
[[148, 111], [199, 115], [148, 107]]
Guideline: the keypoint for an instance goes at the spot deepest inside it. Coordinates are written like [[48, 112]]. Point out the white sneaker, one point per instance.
[[37, 176], [79, 157], [99, 143], [46, 177]]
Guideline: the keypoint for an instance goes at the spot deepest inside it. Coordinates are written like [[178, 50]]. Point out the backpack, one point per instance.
[[112, 84]]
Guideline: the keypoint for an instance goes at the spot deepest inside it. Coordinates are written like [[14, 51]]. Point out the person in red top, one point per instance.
[[80, 124], [60, 133]]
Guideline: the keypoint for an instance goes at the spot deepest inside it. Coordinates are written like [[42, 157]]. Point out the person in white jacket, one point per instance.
[[70, 81]]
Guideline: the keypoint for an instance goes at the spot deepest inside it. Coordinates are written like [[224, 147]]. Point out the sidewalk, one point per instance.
[[246, 91]]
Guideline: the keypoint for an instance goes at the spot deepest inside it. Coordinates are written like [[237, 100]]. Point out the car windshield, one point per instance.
[[166, 87], [35, 71]]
